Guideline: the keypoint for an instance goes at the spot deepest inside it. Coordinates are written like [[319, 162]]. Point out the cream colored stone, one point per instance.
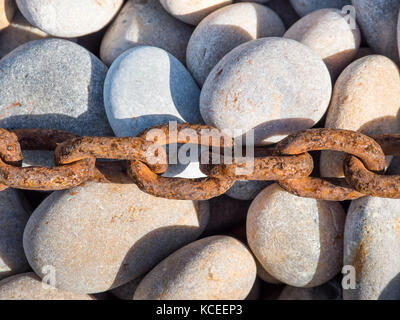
[[328, 33], [213, 268], [366, 98], [28, 286], [192, 11], [298, 241], [101, 236]]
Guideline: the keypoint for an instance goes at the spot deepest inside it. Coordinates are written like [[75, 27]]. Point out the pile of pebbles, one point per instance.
[[116, 68]]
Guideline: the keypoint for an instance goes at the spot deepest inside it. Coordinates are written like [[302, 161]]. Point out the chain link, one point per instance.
[[142, 160]]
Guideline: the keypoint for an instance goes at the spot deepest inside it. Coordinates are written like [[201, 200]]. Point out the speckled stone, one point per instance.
[[264, 275], [62, 18], [378, 22], [213, 268], [192, 12], [101, 236], [7, 9], [365, 98], [329, 291], [224, 30], [328, 33], [372, 247], [298, 241], [28, 286], [304, 7], [13, 218], [145, 22], [246, 190], [147, 86], [275, 86], [127, 291]]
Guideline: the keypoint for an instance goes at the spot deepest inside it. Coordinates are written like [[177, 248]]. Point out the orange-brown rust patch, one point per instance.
[[397, 227], [359, 259]]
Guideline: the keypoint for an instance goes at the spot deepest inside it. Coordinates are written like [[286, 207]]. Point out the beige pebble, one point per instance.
[[28, 286], [329, 291], [7, 9], [328, 33], [298, 241], [192, 12], [224, 30], [101, 236], [146, 23], [213, 268], [264, 275], [366, 98]]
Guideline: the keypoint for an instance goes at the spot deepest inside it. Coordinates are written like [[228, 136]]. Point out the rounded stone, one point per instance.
[[13, 218], [304, 7], [224, 30], [378, 22], [213, 268], [146, 23], [365, 98], [147, 86], [7, 10], [28, 286], [372, 248], [53, 83], [328, 33], [60, 18], [285, 10], [192, 12], [273, 86], [265, 276], [101, 236], [298, 241], [246, 190], [329, 291], [127, 291]]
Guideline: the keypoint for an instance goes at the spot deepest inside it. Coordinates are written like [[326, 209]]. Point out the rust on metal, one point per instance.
[[10, 150], [262, 168], [332, 189], [355, 143], [370, 183], [125, 148], [177, 188], [188, 133], [42, 139], [46, 179]]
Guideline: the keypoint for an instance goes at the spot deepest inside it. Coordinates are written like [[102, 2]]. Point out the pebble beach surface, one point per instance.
[[265, 67]]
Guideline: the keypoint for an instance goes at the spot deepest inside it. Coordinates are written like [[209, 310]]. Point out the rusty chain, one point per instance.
[[142, 160]]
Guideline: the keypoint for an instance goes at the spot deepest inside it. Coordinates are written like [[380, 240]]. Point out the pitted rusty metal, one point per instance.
[[370, 183], [126, 148], [177, 188], [42, 139], [10, 149], [332, 189], [355, 143], [262, 168]]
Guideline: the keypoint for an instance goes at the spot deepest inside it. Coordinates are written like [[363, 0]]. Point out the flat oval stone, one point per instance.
[[372, 248], [298, 241], [147, 86], [101, 236], [365, 98], [63, 19], [328, 33], [192, 12], [329, 291], [304, 7], [378, 22], [213, 268], [246, 190], [273, 86], [28, 286], [7, 9], [224, 30], [146, 23], [13, 218]]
